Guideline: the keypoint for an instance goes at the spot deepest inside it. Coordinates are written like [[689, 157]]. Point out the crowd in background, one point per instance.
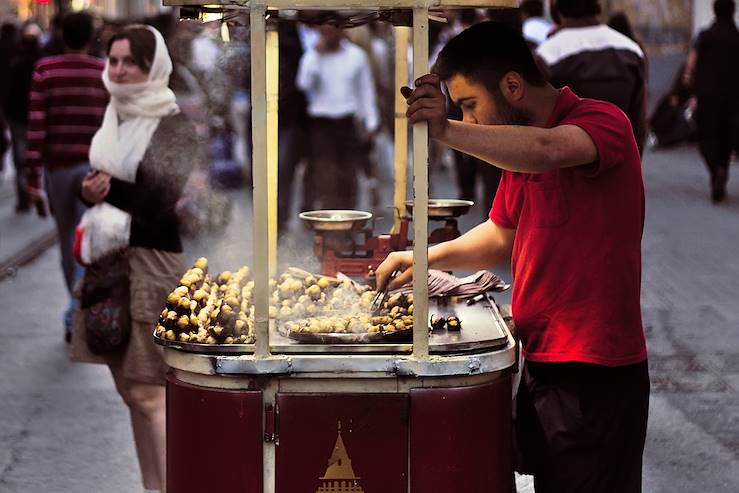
[[334, 127]]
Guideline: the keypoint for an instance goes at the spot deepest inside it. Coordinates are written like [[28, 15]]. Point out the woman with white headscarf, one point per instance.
[[141, 158]]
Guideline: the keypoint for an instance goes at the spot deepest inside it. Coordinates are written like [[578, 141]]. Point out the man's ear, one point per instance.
[[512, 87]]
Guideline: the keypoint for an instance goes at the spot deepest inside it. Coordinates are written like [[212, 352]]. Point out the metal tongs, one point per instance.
[[379, 299]]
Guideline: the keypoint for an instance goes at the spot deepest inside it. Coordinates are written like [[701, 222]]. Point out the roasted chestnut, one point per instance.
[[438, 322], [453, 323]]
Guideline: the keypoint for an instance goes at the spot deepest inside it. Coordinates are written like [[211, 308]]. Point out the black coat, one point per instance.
[[717, 67], [20, 72]]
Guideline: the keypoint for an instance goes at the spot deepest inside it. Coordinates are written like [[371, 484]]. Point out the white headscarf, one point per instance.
[[130, 120], [118, 147]]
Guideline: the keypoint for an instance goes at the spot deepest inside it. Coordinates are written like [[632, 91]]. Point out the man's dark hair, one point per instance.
[[77, 30], [484, 53], [532, 8], [578, 9], [724, 9]]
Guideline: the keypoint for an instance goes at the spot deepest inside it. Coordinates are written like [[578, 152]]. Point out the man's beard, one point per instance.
[[507, 114]]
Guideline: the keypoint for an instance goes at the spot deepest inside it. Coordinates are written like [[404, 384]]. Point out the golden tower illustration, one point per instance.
[[339, 476]]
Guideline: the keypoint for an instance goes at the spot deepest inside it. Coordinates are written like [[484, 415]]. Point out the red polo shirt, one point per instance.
[[577, 253]]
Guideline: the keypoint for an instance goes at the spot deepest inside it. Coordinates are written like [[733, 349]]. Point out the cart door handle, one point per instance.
[[269, 423]]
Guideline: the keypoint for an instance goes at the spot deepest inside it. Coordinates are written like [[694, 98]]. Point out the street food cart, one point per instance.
[[427, 411]]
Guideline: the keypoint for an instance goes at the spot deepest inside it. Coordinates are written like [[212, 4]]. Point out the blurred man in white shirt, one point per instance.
[[336, 77]]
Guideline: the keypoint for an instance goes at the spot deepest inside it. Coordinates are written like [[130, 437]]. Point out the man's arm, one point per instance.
[[484, 246], [690, 64], [521, 148], [309, 73], [367, 95], [525, 149]]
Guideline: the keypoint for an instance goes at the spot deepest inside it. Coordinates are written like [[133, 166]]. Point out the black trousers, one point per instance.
[[718, 135], [337, 156], [580, 428]]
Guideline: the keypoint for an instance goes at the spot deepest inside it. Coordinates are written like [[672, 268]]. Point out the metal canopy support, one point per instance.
[[260, 181], [420, 195]]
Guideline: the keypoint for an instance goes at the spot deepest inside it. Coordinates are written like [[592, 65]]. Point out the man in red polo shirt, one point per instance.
[[569, 216]]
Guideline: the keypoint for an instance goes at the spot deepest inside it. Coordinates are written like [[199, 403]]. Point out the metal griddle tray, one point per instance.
[[483, 328], [195, 347]]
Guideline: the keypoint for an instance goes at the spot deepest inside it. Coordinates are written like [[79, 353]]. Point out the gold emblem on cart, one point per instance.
[[339, 476]]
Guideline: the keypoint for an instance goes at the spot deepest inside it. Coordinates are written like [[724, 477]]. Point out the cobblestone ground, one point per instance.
[[64, 429]]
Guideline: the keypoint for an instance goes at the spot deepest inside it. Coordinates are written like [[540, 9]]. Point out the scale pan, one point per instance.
[[335, 220], [444, 208]]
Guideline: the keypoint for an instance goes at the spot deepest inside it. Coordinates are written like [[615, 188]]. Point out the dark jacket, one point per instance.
[[598, 62], [171, 156], [20, 71]]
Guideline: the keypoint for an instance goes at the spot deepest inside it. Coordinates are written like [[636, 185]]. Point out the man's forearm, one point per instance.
[[514, 148], [483, 247], [524, 149]]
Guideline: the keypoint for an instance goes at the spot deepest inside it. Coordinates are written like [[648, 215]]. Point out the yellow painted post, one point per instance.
[[402, 35], [273, 89]]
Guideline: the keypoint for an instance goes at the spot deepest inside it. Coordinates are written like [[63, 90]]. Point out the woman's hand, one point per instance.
[[95, 187]]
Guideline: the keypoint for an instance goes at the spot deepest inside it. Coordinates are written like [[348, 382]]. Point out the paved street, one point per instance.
[[64, 429]]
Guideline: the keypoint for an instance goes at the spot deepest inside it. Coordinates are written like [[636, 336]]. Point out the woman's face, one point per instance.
[[122, 68]]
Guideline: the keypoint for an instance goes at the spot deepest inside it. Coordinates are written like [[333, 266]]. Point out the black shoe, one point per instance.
[[22, 208], [718, 195], [718, 185]]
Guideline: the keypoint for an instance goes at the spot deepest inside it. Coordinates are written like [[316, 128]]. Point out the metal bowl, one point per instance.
[[444, 208], [335, 220]]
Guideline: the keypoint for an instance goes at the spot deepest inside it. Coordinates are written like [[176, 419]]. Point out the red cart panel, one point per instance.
[[214, 439], [344, 443], [461, 438]]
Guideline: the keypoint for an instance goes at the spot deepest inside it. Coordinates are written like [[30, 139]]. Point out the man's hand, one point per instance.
[[95, 187], [428, 104], [402, 261]]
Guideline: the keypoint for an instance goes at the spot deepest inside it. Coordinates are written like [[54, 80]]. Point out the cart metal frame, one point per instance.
[[264, 83], [362, 373]]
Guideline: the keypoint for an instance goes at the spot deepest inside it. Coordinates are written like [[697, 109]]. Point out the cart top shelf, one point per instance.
[[347, 4]]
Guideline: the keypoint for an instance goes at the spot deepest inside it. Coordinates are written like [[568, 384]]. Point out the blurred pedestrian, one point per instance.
[[536, 27], [292, 121], [66, 107], [337, 79], [8, 41], [596, 61], [712, 65], [141, 159], [620, 22], [15, 105]]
